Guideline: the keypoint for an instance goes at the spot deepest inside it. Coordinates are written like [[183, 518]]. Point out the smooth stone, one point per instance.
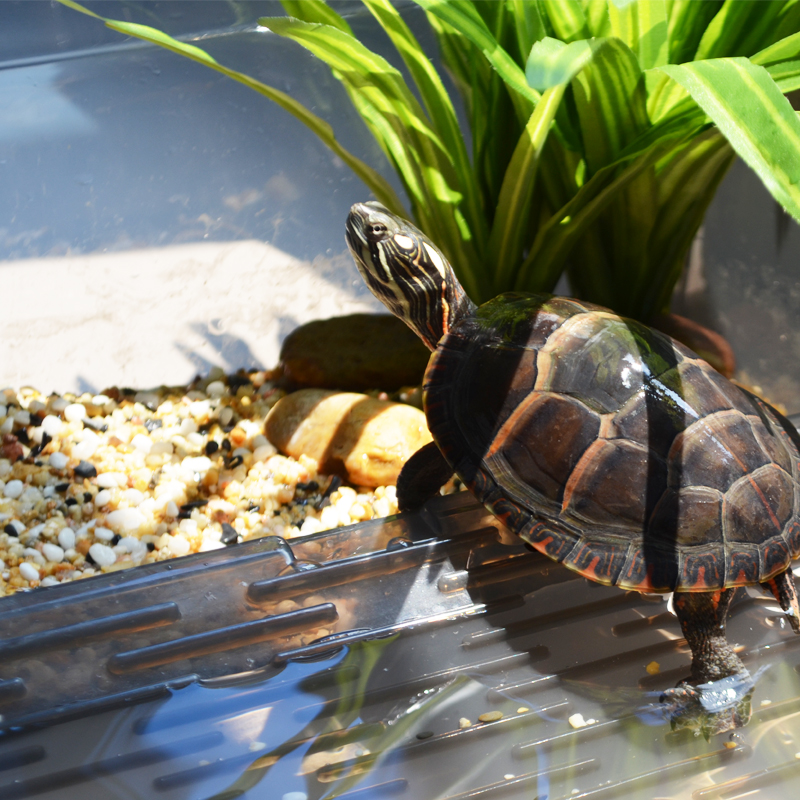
[[110, 480], [58, 460], [14, 489], [102, 498], [85, 469], [66, 538], [74, 412], [28, 571], [125, 519], [53, 553], [354, 352], [104, 534], [353, 435], [102, 555]]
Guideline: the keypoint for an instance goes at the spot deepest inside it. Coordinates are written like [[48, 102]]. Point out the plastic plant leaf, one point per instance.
[[552, 62], [567, 18], [610, 98], [463, 17], [439, 107], [688, 20], [556, 238], [376, 183], [512, 217], [386, 104], [316, 11], [751, 112], [642, 25], [782, 61], [739, 29]]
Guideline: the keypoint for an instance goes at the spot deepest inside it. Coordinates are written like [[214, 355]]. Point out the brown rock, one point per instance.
[[355, 352], [363, 439]]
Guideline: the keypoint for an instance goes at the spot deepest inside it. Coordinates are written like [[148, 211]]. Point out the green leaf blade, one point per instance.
[[754, 116]]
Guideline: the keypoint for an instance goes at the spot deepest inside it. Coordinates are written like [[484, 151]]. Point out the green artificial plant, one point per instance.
[[599, 129]]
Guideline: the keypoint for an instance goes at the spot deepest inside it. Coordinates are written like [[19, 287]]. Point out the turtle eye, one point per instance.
[[376, 231]]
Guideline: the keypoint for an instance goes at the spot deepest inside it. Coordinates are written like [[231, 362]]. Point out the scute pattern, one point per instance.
[[613, 449]]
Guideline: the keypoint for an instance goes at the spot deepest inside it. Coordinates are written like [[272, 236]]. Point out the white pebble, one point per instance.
[[14, 489], [66, 538], [133, 496], [216, 389], [5, 467], [34, 532], [110, 480], [30, 552], [161, 447], [49, 581], [178, 545], [189, 526], [28, 571], [22, 418], [225, 416], [17, 525], [58, 404], [85, 449], [32, 495], [104, 534], [264, 451], [142, 442], [294, 796], [197, 464], [577, 721], [172, 509], [52, 426], [8, 425], [3, 410], [126, 519], [209, 544], [103, 555], [74, 412], [102, 498], [58, 460], [188, 427], [53, 553]]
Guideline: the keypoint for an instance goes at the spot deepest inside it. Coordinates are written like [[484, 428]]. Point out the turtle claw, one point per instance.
[[782, 586], [710, 708]]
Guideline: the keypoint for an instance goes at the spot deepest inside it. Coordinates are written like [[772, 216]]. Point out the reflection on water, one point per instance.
[[511, 703]]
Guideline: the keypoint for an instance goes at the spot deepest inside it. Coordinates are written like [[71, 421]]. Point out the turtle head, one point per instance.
[[406, 271]]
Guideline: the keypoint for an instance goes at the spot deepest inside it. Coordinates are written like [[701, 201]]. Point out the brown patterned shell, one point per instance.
[[612, 448]]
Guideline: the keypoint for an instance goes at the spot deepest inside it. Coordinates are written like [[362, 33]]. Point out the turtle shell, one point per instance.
[[614, 449]]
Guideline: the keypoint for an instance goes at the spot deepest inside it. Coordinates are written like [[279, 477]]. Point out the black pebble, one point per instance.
[[71, 501], [237, 380], [89, 559], [424, 734], [62, 487], [235, 462], [226, 445], [36, 421], [311, 486], [211, 448], [152, 424], [87, 497], [115, 539], [22, 436], [151, 546], [253, 507], [229, 535], [11, 530], [85, 470]]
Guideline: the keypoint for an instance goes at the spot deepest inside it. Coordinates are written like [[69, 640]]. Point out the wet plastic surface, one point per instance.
[[359, 662]]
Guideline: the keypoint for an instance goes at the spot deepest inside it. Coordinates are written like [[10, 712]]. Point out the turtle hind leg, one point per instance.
[[421, 477], [702, 617], [782, 586]]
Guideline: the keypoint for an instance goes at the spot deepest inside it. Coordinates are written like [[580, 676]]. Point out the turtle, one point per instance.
[[601, 442]]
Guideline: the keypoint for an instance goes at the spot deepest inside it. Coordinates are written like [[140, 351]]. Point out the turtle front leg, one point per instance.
[[421, 477]]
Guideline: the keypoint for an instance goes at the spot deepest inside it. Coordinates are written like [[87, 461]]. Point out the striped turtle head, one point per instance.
[[406, 271]]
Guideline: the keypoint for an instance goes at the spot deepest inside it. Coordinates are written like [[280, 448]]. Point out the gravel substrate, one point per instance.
[[97, 483]]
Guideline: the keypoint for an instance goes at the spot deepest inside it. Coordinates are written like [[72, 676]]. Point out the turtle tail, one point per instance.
[[782, 586]]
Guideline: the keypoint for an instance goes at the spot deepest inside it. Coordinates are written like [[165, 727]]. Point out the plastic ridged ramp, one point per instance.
[[415, 657]]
